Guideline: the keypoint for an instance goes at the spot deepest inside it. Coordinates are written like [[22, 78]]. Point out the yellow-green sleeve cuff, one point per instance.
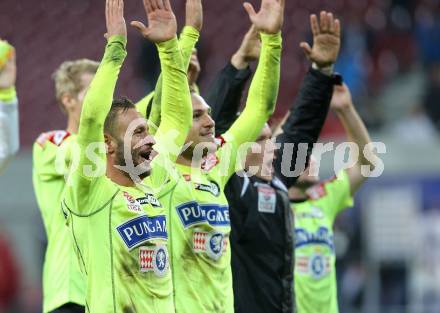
[[272, 39], [169, 45], [118, 38], [190, 32]]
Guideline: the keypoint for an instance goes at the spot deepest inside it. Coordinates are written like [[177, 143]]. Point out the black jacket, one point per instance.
[[261, 219]]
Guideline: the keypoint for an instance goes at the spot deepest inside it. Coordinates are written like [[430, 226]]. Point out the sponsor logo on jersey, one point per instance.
[[150, 199], [267, 199], [192, 213], [143, 229], [212, 188], [321, 237], [154, 259], [132, 204], [212, 243]]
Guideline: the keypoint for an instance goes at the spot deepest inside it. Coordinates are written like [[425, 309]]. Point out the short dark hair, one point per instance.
[[120, 105]]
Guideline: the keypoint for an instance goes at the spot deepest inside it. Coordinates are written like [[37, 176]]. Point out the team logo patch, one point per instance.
[[315, 265], [154, 259], [192, 213], [209, 162], [132, 204], [149, 199], [267, 199], [212, 243], [56, 137], [213, 188], [143, 229]]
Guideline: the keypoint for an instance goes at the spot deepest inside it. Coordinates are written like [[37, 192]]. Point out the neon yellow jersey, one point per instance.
[[315, 276], [120, 233], [62, 279], [197, 209]]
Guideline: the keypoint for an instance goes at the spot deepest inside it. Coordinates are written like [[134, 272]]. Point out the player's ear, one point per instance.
[[68, 102], [109, 144]]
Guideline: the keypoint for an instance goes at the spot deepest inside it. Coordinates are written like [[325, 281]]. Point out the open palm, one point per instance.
[[162, 25], [270, 17], [326, 40]]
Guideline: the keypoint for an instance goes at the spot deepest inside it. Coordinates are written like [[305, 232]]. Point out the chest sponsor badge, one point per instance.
[[212, 188], [212, 243], [315, 265], [132, 204], [267, 199], [154, 259], [149, 199]]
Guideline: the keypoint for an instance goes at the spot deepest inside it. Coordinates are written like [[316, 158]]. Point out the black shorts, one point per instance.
[[70, 308]]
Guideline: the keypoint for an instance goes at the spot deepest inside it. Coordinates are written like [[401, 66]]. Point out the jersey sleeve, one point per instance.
[[187, 42], [176, 110], [9, 126], [338, 194], [260, 103], [85, 190]]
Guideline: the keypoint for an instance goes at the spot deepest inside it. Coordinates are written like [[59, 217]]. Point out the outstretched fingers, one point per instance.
[[250, 10], [314, 25], [323, 21]]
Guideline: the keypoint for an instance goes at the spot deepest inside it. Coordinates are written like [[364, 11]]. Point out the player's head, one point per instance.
[[307, 178], [262, 154], [72, 80], [126, 130], [202, 132]]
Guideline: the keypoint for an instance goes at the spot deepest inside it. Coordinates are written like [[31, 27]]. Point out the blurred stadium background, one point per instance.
[[388, 245]]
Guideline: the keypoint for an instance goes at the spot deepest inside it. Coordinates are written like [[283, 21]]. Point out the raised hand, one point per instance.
[[326, 40], [270, 17], [8, 74], [162, 25], [341, 99], [249, 50], [194, 14], [114, 16]]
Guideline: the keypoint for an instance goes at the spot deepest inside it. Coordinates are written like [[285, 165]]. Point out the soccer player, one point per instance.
[[63, 284], [316, 206], [261, 221], [118, 225], [198, 209], [9, 130]]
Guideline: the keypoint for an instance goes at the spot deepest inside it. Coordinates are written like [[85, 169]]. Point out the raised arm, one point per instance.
[[9, 130], [263, 91], [356, 132], [97, 104], [224, 94], [187, 42], [175, 99], [309, 111]]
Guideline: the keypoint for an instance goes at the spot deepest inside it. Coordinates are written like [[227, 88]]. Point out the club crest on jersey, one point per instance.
[[315, 212], [154, 259], [149, 199], [315, 265], [321, 237], [192, 213], [132, 204], [212, 188], [212, 243], [143, 229]]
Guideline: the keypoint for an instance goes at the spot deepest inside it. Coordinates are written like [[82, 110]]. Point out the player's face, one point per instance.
[[132, 133], [202, 132], [307, 178], [264, 153]]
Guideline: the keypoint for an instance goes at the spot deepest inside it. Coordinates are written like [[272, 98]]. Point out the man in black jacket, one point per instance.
[[261, 220]]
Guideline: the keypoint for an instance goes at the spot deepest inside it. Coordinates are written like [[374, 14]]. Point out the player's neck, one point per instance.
[[72, 125], [118, 176]]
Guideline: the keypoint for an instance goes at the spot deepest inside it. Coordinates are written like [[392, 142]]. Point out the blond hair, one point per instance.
[[68, 77]]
